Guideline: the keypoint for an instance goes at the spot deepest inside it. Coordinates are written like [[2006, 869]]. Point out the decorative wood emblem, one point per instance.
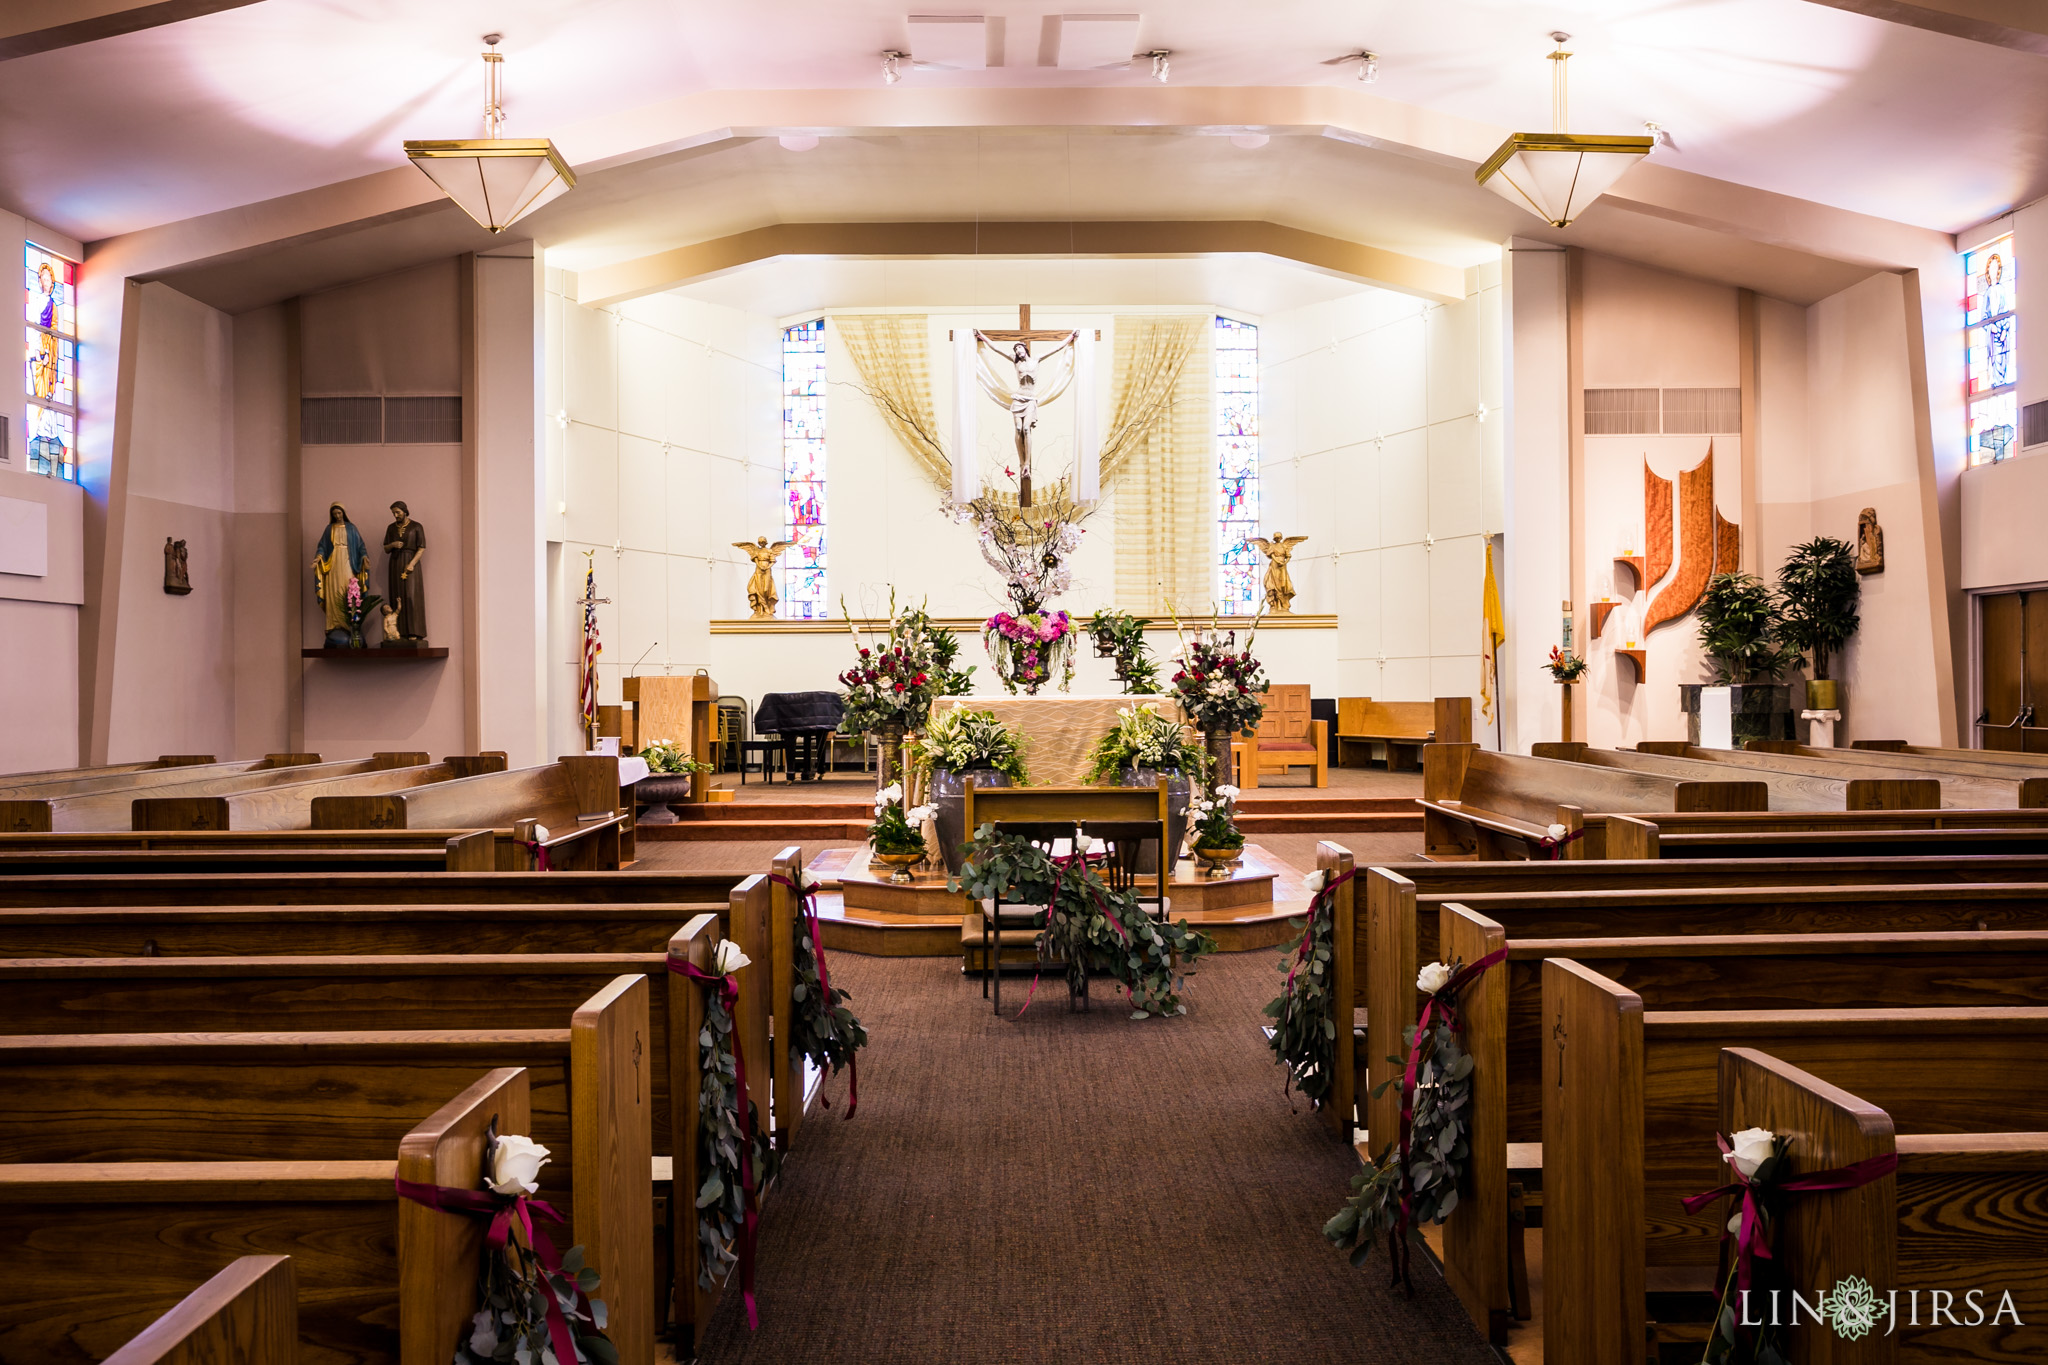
[[1708, 543]]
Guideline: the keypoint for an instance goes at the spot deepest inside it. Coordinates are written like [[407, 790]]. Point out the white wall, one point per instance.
[[1536, 515]]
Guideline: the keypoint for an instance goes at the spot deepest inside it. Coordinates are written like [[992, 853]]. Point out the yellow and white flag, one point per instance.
[[1491, 638]]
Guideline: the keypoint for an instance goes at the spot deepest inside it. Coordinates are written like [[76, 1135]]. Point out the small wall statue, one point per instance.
[[391, 635], [405, 587], [339, 556], [177, 575], [1869, 543], [761, 594], [1279, 583]]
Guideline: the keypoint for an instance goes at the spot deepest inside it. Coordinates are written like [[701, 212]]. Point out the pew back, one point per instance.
[[246, 1315], [291, 806]]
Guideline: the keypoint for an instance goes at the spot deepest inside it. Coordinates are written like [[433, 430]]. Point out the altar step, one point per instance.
[[758, 811], [815, 822], [852, 829], [1259, 813]]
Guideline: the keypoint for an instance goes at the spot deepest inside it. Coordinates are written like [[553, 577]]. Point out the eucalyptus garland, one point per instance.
[[722, 1194], [824, 1032], [515, 1291], [1091, 926], [1304, 1024]]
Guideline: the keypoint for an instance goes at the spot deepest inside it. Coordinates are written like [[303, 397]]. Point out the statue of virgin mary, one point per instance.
[[340, 556]]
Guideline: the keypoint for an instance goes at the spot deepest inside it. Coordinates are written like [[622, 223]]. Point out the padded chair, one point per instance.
[[1019, 924], [1288, 738]]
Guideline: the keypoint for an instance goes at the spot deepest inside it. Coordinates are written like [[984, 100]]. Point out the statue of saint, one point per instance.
[[1869, 542], [761, 595], [391, 636], [339, 556], [1279, 584], [405, 544], [177, 573]]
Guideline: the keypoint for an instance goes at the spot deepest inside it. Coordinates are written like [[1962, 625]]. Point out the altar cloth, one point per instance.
[[1061, 731]]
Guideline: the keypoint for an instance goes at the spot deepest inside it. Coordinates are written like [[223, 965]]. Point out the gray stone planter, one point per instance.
[[948, 797], [1176, 810], [1761, 711]]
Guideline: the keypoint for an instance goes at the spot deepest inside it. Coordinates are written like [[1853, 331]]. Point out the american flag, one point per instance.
[[587, 673]]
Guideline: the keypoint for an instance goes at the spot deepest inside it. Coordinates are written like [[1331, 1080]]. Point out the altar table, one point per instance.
[[1062, 730]]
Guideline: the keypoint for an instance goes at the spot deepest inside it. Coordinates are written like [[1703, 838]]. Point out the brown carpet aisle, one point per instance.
[[1070, 1188]]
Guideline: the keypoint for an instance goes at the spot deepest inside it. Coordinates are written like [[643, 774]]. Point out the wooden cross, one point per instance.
[[1559, 1034]]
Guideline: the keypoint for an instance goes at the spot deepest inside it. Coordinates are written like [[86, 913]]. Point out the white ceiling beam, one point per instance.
[[2018, 24], [31, 26]]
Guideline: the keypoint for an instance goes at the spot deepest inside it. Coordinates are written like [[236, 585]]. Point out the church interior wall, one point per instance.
[[265, 650], [1534, 569], [396, 335], [2001, 541]]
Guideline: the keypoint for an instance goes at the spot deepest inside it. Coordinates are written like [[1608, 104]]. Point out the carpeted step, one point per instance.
[[1259, 803], [1334, 822], [789, 831], [776, 810]]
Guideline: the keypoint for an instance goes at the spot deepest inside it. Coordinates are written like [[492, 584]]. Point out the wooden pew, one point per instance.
[[160, 773], [363, 851], [1400, 727], [291, 806], [353, 1096], [367, 888], [1504, 1032], [1963, 786], [1630, 1113], [2015, 757], [248, 1314], [1639, 837], [1984, 762], [577, 798], [110, 1246], [9, 782], [1811, 790], [1478, 804], [112, 807], [341, 930], [1957, 1215]]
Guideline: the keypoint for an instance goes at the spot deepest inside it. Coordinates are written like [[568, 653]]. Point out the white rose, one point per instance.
[[1432, 978], [540, 834], [1557, 831], [727, 958], [1753, 1147], [515, 1166], [1314, 881]]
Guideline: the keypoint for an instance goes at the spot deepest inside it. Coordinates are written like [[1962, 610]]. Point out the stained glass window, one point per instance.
[[1990, 324], [50, 362], [1237, 466], [803, 471]]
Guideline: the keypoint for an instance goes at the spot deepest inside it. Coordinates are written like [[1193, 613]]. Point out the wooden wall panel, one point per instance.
[[1695, 546], [1656, 527]]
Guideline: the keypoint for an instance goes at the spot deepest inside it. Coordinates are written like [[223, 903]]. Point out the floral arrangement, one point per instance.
[[824, 1031], [1026, 649], [896, 830], [664, 757], [524, 1298], [355, 605], [1215, 820], [960, 738], [891, 681], [1304, 1027], [1415, 1180], [1121, 636], [943, 648], [1142, 738], [1029, 549], [1565, 667], [1093, 928], [724, 1152], [1220, 687]]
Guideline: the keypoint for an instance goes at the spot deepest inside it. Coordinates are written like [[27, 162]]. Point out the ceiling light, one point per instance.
[[1555, 175], [1368, 64], [890, 72], [495, 180], [1161, 68], [1250, 142], [1657, 133], [798, 142]]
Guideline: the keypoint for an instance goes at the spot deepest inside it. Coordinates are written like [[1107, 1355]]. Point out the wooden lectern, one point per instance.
[[681, 710]]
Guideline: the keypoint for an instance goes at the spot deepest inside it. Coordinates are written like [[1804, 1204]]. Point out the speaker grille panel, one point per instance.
[[341, 421], [1621, 412], [2034, 423], [1702, 412], [423, 421]]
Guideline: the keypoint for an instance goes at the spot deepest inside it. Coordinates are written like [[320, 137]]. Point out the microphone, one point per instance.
[[634, 671]]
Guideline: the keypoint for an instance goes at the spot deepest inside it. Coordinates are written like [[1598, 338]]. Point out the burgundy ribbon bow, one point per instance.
[[502, 1209], [1444, 1001], [807, 899], [539, 851], [1553, 849], [729, 995], [1318, 904], [1749, 1242]]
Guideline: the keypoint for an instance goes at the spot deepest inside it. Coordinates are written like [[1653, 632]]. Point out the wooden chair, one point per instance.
[[1287, 738], [1021, 924]]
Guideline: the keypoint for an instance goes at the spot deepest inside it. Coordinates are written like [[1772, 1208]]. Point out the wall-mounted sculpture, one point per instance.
[[1869, 543], [177, 574], [1708, 543]]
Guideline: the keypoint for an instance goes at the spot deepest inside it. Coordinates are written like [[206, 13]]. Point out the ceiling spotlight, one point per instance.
[[1657, 133], [496, 180], [890, 73], [1250, 142], [798, 142], [1556, 174], [1368, 64], [1161, 68]]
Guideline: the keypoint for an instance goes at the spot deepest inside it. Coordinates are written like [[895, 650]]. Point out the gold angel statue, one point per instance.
[[1279, 586], [761, 594]]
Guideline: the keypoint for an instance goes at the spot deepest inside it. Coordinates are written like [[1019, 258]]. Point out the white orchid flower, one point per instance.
[[889, 794], [1227, 792]]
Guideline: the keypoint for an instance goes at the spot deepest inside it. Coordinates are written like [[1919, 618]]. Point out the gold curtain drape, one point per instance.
[[892, 352], [1160, 450]]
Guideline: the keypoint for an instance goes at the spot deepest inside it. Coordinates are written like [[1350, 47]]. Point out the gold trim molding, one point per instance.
[[971, 625]]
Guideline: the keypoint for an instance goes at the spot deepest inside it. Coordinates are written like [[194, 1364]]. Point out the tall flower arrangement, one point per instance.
[[1220, 686], [891, 683], [1027, 643]]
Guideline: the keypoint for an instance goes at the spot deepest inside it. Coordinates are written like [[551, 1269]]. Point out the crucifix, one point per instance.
[[1023, 398]]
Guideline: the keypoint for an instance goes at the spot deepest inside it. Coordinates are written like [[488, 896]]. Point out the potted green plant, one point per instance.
[[1742, 634], [1120, 636], [1817, 596], [670, 774], [1147, 749], [897, 835], [1216, 840], [959, 745]]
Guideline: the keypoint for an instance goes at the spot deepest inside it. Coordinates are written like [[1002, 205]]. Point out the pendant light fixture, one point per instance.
[[1556, 174], [495, 180]]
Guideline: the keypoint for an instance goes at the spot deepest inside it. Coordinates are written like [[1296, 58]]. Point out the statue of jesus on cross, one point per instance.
[[1022, 392]]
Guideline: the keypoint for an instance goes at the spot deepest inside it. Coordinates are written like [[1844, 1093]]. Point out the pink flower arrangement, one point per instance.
[[1026, 648]]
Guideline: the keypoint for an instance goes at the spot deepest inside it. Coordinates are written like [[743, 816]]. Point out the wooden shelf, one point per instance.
[[1601, 611], [1635, 564], [392, 655], [1640, 658]]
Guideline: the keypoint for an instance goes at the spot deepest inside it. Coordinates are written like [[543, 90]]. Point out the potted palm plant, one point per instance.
[[1742, 633], [1817, 597]]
